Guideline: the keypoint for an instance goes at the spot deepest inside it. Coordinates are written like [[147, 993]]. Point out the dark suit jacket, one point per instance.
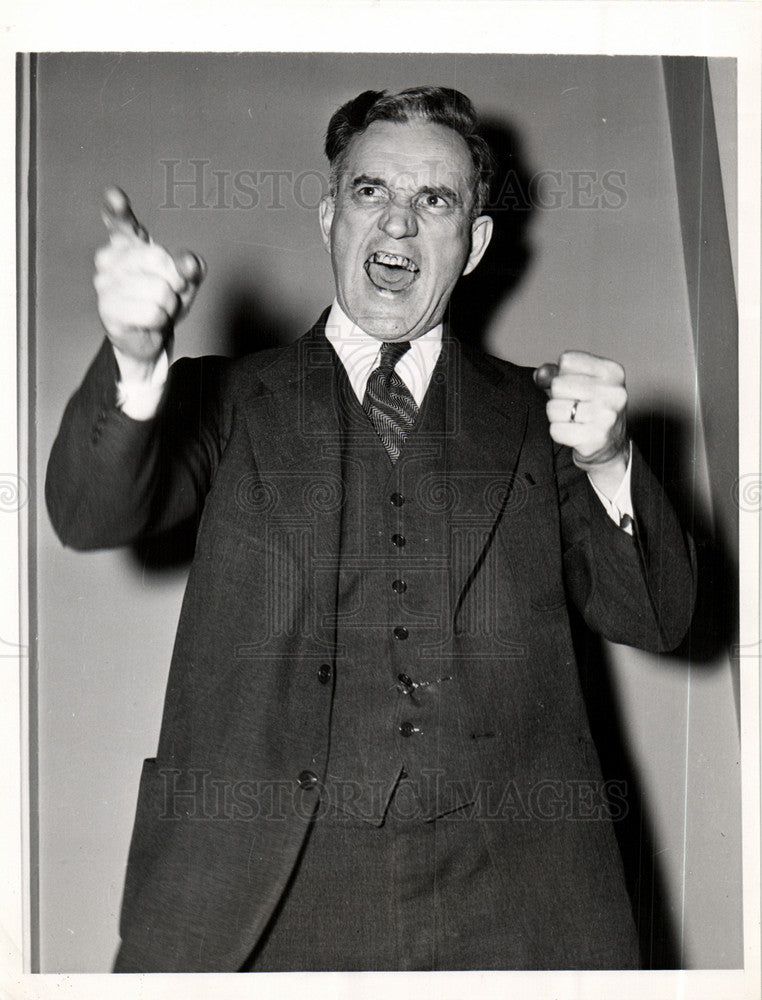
[[253, 446]]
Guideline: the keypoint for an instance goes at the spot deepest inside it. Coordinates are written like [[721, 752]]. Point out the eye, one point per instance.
[[370, 193], [431, 201]]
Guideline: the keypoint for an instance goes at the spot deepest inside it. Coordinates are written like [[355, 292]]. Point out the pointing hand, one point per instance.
[[142, 290]]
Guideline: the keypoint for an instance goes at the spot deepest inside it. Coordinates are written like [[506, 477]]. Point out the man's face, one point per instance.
[[399, 229]]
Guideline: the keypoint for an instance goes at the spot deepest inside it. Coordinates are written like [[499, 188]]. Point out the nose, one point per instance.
[[398, 220]]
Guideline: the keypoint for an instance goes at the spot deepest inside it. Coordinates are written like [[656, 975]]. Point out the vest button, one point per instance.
[[324, 673], [399, 586], [396, 499], [398, 540], [400, 632], [408, 729], [307, 779]]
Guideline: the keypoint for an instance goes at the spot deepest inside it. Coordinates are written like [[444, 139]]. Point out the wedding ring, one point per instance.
[[573, 414]]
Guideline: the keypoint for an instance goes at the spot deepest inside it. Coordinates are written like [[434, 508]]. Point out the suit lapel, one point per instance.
[[487, 414], [293, 422]]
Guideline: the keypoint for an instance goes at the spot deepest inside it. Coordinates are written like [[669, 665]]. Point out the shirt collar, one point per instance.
[[359, 353]]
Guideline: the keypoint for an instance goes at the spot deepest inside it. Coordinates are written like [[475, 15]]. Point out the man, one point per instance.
[[374, 751]]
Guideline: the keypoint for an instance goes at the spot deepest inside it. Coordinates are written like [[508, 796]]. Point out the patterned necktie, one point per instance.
[[388, 401]]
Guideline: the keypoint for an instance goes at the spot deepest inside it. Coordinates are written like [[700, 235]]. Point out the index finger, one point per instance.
[[118, 215]]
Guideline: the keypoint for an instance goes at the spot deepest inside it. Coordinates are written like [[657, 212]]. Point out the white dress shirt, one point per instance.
[[360, 353]]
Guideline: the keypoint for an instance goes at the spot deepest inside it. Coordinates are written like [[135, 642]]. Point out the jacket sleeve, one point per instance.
[[111, 479], [636, 589]]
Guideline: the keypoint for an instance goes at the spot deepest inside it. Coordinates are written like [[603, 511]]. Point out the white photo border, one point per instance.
[[634, 27]]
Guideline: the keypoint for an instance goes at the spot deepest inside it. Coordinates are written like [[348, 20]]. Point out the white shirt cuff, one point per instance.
[[139, 399], [619, 507]]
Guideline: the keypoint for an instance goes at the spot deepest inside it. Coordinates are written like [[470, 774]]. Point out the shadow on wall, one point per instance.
[[480, 294], [252, 323]]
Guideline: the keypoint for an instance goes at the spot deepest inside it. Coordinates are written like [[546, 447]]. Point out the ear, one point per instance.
[[481, 234], [325, 210]]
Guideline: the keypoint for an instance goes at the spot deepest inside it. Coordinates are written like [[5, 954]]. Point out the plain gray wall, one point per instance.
[[608, 280]]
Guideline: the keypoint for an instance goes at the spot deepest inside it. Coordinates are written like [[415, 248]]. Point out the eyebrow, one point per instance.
[[364, 179], [438, 189]]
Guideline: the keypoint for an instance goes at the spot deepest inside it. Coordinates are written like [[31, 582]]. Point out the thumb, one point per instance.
[[544, 375]]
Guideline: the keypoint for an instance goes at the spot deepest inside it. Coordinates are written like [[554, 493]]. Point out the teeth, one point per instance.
[[392, 259]]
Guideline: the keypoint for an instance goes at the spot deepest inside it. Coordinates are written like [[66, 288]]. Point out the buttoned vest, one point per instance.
[[393, 625]]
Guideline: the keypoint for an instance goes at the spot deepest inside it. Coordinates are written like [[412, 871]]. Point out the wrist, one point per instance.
[[141, 386], [606, 475], [135, 371]]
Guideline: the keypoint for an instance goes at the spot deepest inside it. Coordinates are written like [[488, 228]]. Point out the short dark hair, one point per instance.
[[438, 105]]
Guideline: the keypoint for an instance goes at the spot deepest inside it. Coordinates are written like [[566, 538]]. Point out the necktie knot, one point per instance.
[[391, 352]]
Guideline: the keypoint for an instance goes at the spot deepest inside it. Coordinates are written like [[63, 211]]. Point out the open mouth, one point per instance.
[[391, 271]]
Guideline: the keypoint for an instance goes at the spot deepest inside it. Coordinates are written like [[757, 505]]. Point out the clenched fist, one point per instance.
[[586, 408], [143, 291]]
